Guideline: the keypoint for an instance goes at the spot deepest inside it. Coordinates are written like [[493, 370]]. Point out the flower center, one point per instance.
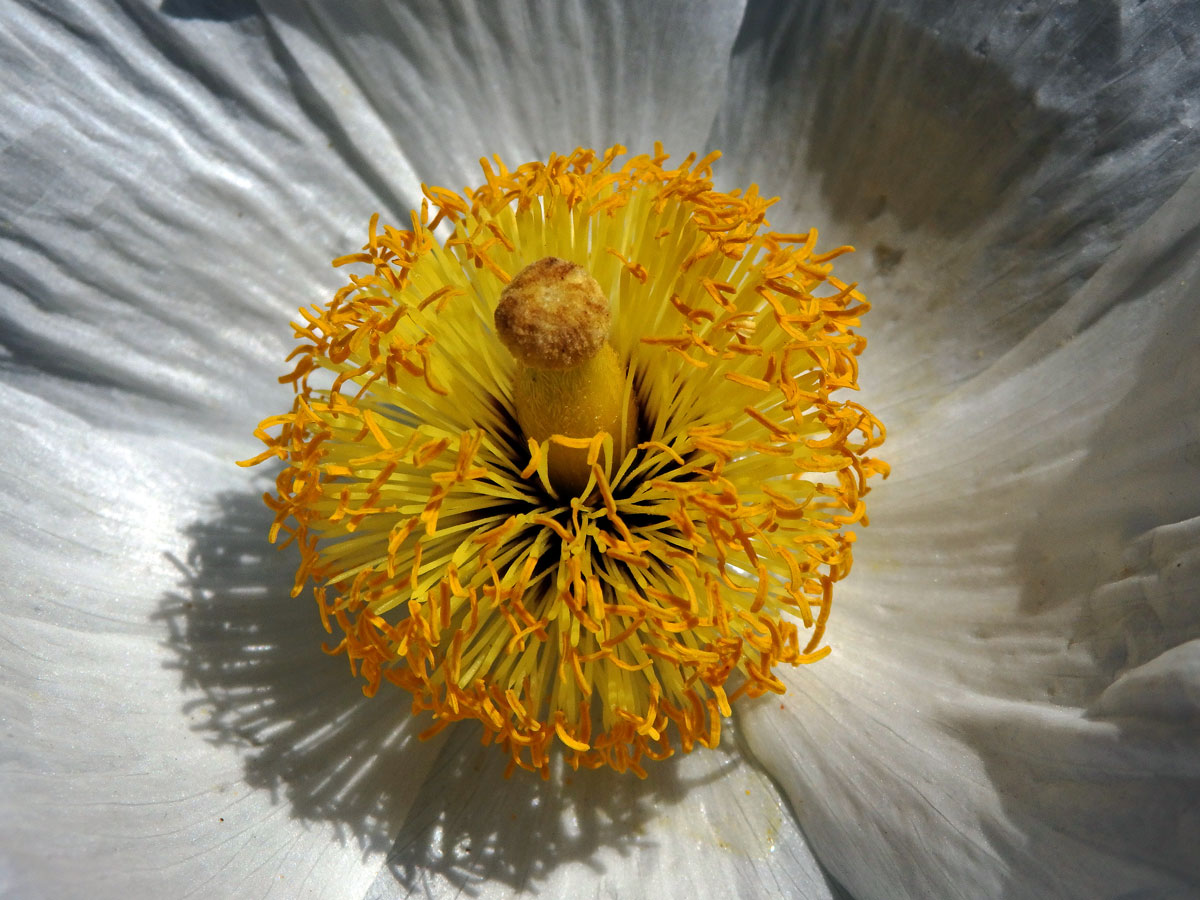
[[599, 530]]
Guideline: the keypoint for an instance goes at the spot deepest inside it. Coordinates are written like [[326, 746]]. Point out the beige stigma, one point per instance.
[[553, 315]]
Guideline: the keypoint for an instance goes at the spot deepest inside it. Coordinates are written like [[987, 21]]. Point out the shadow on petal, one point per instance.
[[1103, 541], [1091, 808], [910, 124], [255, 680], [1103, 779], [989, 156], [899, 116], [210, 10], [470, 826], [250, 661]]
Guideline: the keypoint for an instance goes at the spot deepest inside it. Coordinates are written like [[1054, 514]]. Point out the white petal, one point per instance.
[[172, 727], [992, 720], [446, 85], [174, 730], [171, 199], [702, 825], [166, 212], [985, 158]]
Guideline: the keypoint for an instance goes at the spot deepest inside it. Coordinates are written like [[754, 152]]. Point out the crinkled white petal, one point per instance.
[[171, 197], [1011, 706], [440, 85]]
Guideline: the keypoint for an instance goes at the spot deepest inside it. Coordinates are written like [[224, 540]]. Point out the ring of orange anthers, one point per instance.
[[606, 622]]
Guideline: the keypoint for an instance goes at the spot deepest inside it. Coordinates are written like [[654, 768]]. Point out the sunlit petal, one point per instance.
[[436, 87]]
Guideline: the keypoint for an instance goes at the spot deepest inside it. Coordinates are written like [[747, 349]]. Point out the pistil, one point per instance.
[[554, 318]]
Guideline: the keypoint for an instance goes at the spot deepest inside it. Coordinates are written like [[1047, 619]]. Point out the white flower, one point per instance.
[[1012, 706]]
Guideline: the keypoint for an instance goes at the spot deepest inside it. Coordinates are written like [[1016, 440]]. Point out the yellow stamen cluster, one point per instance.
[[685, 569]]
